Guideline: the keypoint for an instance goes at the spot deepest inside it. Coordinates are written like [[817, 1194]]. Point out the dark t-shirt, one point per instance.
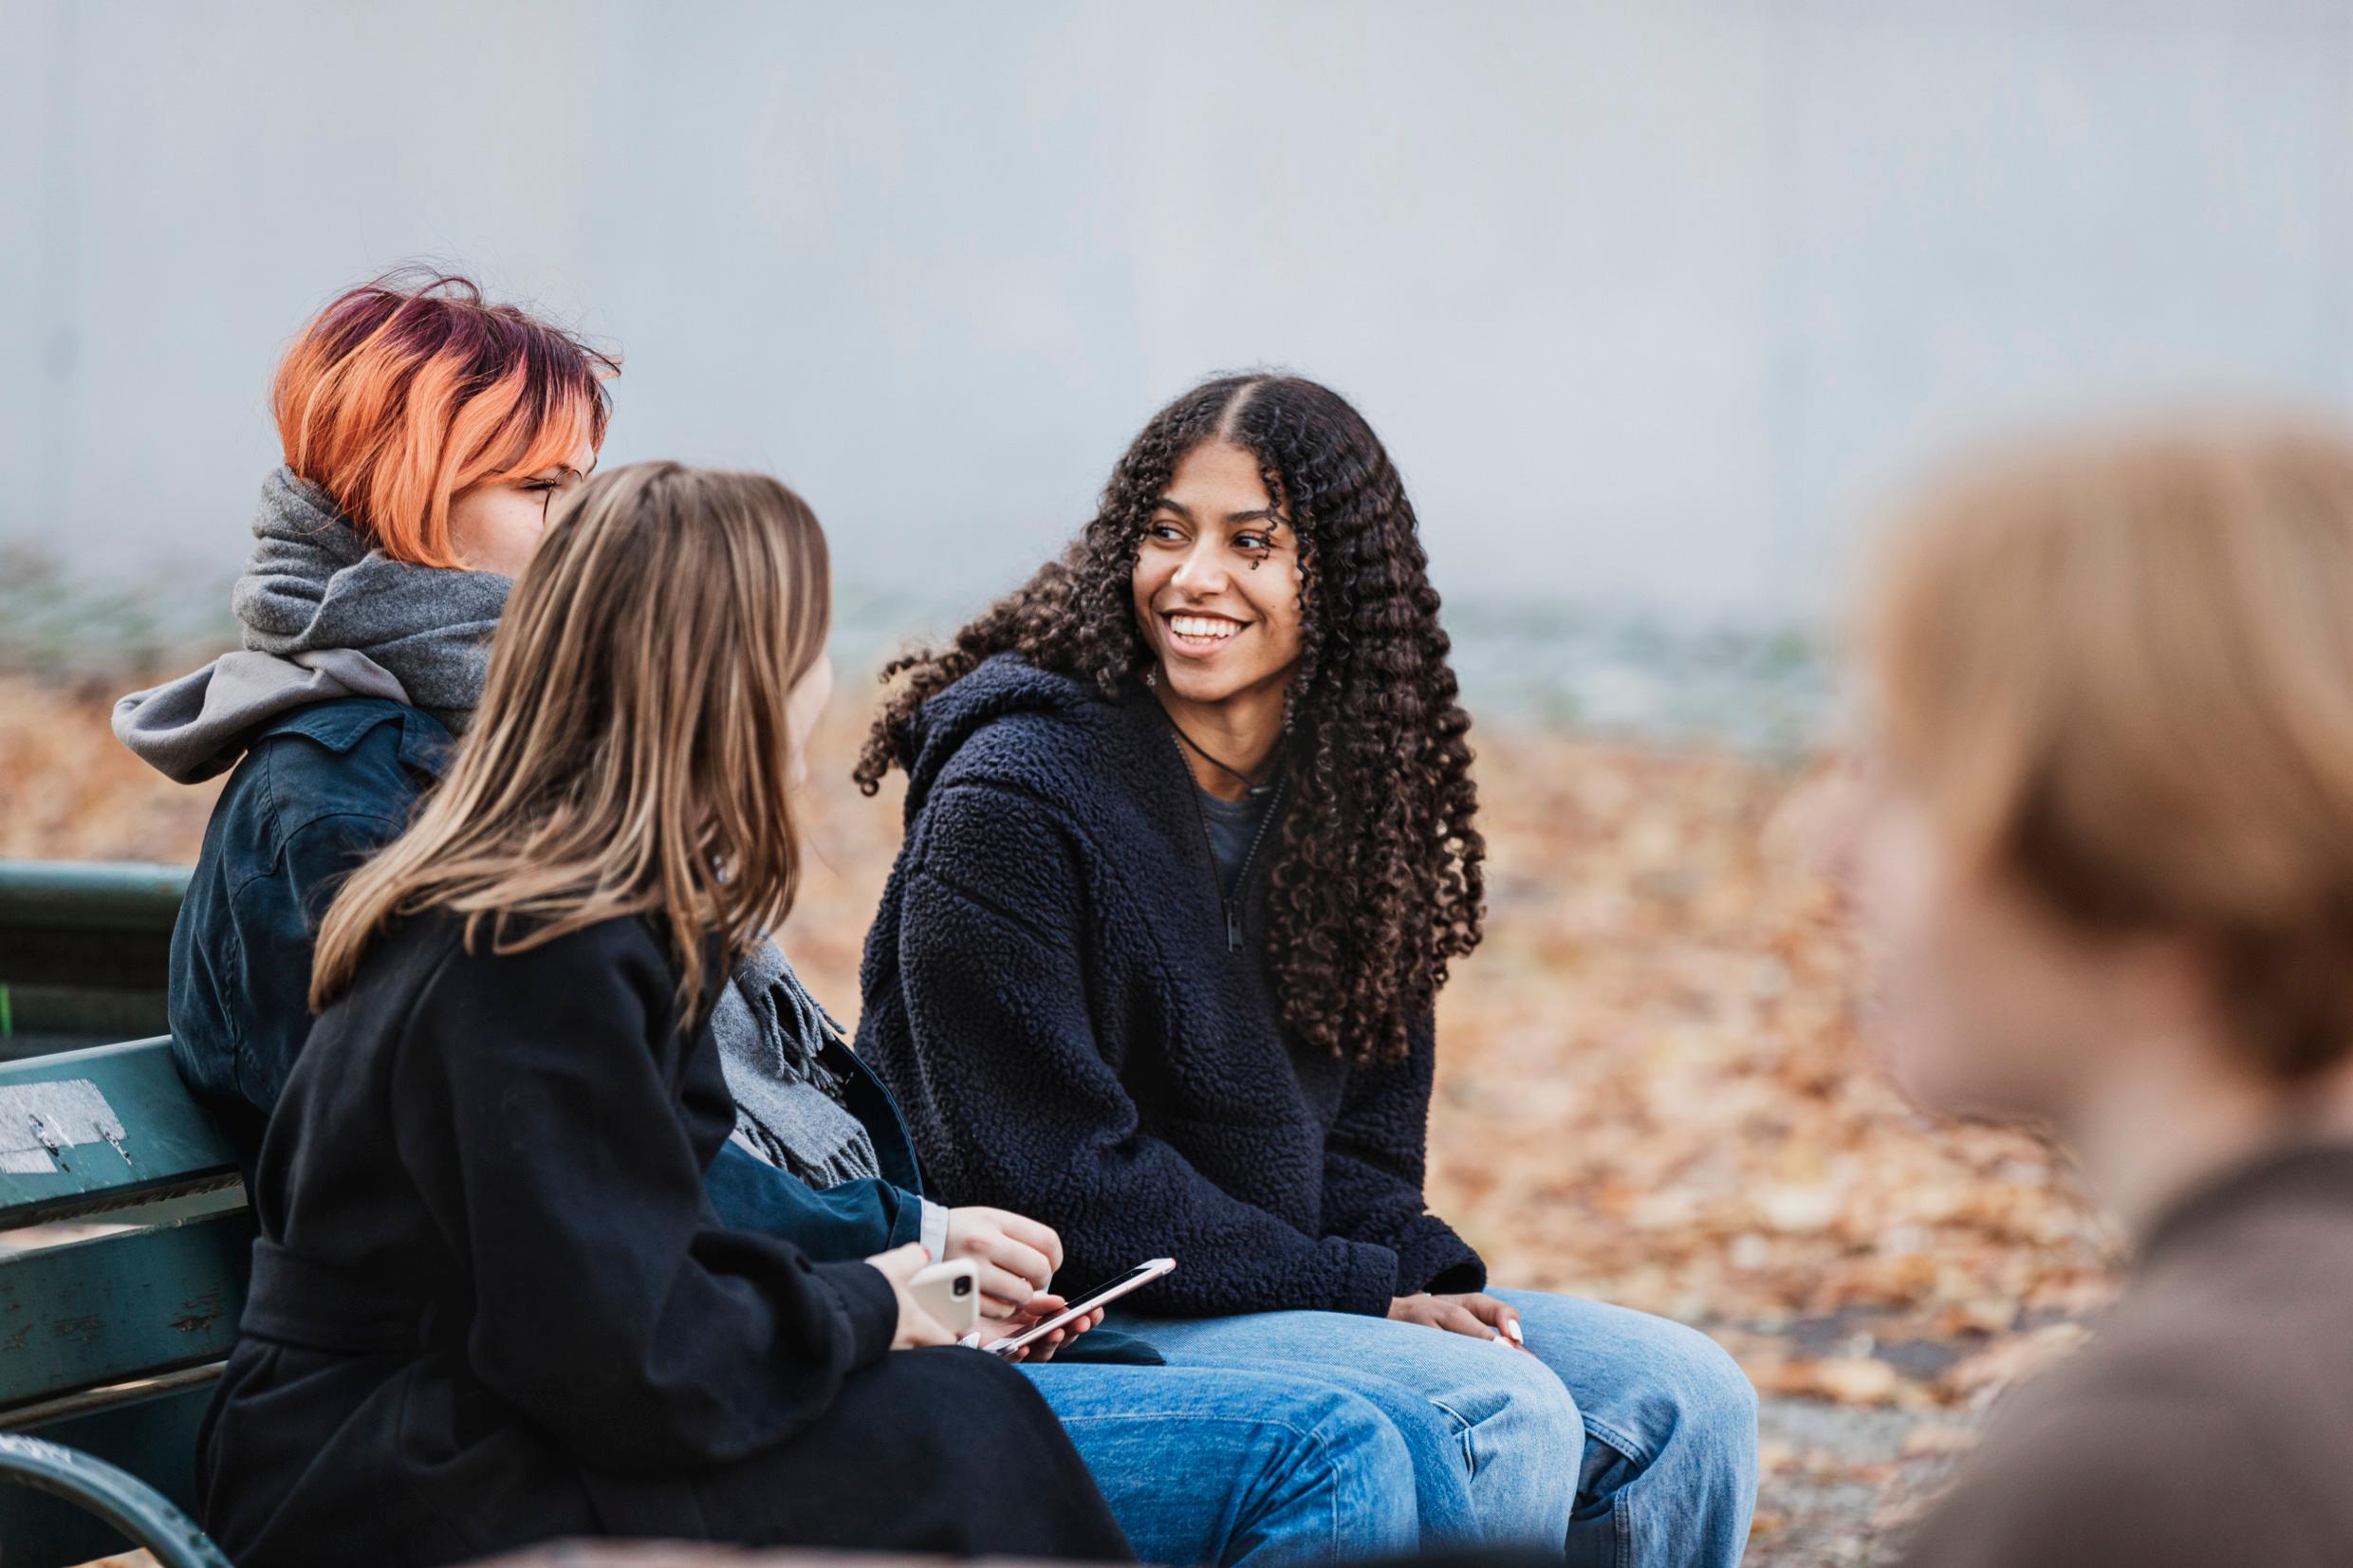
[[1232, 828]]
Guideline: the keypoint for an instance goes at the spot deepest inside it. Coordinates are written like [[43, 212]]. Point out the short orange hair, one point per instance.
[[2120, 669], [409, 390]]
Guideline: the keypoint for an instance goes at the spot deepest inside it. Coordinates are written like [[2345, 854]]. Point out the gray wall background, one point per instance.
[[1652, 302]]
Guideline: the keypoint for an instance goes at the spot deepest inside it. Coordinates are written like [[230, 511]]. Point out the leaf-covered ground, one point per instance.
[[1651, 1090]]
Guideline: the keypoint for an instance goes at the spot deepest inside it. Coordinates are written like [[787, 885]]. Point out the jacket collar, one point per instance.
[[426, 743]]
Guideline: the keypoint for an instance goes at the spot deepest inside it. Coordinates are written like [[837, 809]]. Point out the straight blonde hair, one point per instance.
[[2120, 666], [631, 753]]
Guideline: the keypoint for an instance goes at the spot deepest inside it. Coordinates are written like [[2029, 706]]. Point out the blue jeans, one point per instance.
[[1216, 1465], [1631, 1438]]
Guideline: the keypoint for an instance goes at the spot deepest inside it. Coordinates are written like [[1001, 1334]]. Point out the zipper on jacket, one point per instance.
[[1232, 905]]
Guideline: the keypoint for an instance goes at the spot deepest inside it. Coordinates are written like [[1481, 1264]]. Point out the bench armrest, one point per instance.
[[114, 1495]]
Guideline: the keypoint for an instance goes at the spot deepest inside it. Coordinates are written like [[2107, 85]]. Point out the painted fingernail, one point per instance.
[[1514, 1330]]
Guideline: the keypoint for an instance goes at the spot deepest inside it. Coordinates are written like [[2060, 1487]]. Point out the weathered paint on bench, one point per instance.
[[168, 1144], [130, 1305], [109, 1136]]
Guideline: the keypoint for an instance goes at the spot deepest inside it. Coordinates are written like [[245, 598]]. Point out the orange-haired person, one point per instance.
[[2104, 848], [425, 431]]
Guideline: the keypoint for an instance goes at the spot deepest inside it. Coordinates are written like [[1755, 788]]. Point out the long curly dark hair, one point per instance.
[[1377, 882]]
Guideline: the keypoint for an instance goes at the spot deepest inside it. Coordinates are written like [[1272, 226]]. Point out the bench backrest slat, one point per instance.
[[82, 1131], [89, 924], [121, 1306], [85, 951], [115, 898]]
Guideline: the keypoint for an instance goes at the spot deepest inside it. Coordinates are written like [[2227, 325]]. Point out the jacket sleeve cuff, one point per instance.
[[1431, 1257], [1371, 1281], [868, 1304], [908, 1220]]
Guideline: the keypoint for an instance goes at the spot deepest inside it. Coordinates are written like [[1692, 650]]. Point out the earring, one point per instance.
[[1152, 676]]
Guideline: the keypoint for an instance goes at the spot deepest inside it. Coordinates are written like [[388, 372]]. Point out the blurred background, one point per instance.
[[1656, 305], [1652, 302]]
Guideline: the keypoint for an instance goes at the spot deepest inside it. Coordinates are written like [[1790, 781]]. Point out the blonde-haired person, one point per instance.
[[426, 432], [2105, 850], [490, 1301]]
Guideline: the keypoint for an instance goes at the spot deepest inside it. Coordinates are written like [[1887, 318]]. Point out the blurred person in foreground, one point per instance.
[[2104, 848]]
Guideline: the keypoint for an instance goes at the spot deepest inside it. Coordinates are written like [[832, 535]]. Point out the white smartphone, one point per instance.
[[949, 1292], [1103, 1295]]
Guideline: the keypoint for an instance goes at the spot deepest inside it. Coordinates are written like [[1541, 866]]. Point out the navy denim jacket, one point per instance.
[[319, 790]]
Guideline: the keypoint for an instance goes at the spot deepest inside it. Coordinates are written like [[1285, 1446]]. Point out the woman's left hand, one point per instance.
[[1472, 1313], [1039, 1309]]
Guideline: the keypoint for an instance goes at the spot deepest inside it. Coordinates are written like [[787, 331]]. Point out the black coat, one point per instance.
[[491, 1303], [1051, 994], [317, 792]]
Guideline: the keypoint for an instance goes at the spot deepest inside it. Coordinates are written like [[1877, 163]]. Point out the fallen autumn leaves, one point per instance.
[[1651, 1088]]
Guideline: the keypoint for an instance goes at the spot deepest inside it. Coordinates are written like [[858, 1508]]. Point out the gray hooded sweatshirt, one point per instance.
[[324, 617]]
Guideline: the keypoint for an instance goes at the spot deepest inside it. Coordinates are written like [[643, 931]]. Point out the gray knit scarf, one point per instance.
[[324, 617], [314, 583], [772, 1036]]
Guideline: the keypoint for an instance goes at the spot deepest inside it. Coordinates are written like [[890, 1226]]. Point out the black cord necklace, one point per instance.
[[1251, 787]]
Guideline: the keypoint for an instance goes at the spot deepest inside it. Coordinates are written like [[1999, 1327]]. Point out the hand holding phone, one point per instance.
[[949, 1292], [916, 1329], [1085, 1303]]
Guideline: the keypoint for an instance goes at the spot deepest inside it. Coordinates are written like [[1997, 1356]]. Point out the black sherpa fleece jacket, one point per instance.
[[1052, 995]]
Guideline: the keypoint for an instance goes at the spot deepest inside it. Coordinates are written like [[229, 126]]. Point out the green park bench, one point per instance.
[[84, 952], [116, 1314]]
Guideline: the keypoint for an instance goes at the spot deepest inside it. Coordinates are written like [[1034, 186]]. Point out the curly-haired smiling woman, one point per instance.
[[1190, 843]]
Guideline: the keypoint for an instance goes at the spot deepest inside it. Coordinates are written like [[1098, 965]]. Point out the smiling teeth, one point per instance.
[[1202, 626]]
